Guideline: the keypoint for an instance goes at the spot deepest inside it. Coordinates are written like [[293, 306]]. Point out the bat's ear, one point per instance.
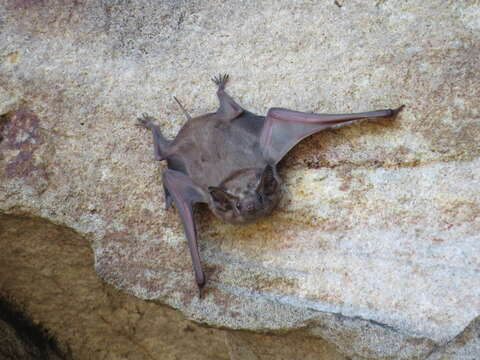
[[268, 183], [221, 199]]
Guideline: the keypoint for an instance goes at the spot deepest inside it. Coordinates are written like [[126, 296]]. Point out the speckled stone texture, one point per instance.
[[375, 246]]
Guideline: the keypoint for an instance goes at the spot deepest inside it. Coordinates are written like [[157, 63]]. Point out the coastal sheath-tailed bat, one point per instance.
[[228, 159]]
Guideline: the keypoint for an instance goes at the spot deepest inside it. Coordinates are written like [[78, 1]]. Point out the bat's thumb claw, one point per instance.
[[397, 110], [201, 284], [200, 292]]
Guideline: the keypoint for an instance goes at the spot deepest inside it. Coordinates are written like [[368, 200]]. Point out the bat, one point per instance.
[[228, 160]]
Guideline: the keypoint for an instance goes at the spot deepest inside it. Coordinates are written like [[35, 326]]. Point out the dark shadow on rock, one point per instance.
[[21, 338]]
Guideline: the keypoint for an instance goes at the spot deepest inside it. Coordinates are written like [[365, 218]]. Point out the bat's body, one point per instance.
[[222, 147], [228, 160]]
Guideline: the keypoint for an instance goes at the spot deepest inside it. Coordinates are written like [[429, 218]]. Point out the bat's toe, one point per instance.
[[221, 80], [144, 121]]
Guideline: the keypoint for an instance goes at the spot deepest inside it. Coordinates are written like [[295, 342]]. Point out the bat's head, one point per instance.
[[246, 195]]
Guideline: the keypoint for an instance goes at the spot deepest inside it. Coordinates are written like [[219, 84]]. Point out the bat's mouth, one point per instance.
[[249, 214]]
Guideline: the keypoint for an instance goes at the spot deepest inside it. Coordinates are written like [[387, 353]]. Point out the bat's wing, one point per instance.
[[283, 128], [180, 188]]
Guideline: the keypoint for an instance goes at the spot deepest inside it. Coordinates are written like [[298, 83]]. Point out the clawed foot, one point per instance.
[[221, 80], [145, 121], [397, 110]]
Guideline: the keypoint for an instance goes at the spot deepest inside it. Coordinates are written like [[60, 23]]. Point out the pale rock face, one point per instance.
[[375, 246]]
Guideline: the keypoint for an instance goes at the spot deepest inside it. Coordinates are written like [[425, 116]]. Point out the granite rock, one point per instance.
[[375, 244]]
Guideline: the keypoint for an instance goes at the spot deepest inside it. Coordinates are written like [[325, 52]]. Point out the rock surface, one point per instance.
[[375, 246], [90, 319], [21, 339], [70, 313]]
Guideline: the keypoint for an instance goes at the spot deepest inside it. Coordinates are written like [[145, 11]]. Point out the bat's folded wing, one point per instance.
[[284, 128], [185, 193]]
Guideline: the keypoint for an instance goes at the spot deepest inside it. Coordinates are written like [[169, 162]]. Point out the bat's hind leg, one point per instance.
[[160, 144], [228, 109]]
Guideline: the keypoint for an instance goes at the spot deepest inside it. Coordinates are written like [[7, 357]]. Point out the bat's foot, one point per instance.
[[145, 121], [221, 80], [397, 110]]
